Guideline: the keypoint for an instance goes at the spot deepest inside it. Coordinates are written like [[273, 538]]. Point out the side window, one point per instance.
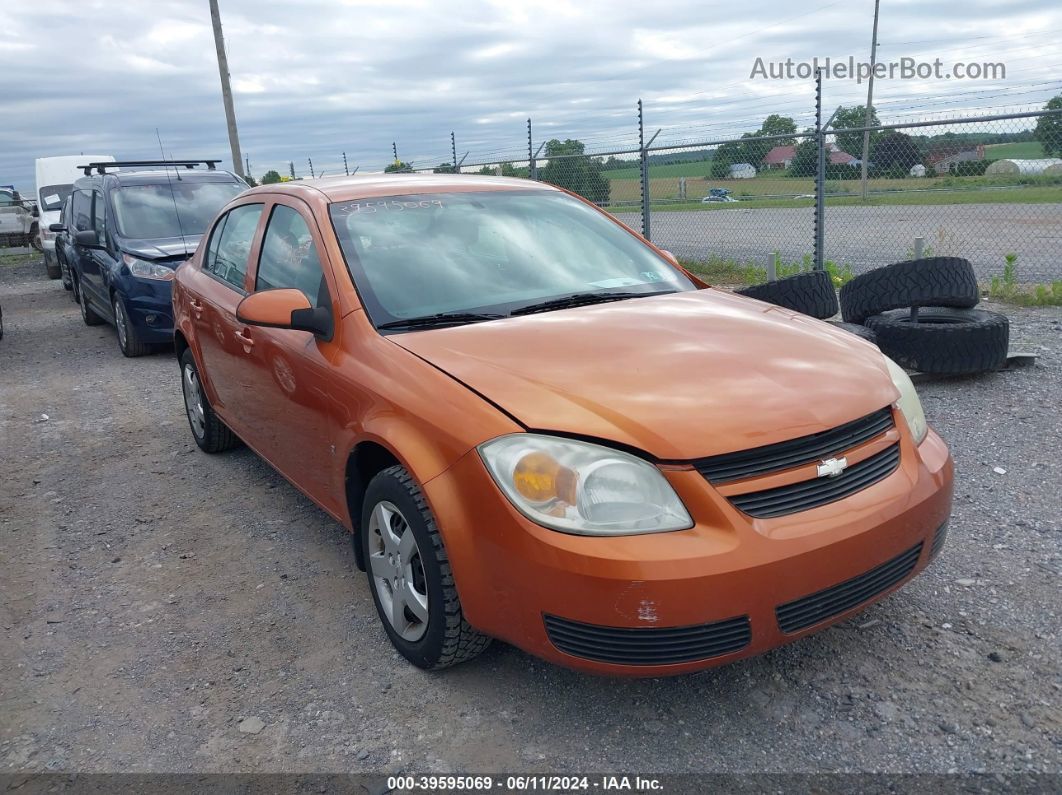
[[289, 257], [230, 245], [82, 211], [99, 216]]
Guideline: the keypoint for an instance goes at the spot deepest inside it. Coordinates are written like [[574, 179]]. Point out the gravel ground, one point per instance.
[[167, 611], [868, 237]]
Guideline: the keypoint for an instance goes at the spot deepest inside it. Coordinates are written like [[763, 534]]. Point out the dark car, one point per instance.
[[130, 225], [64, 244]]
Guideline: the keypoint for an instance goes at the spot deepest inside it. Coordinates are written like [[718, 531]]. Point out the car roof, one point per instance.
[[337, 189], [156, 176]]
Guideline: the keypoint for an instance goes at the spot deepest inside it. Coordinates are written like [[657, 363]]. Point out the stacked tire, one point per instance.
[[922, 313], [811, 293]]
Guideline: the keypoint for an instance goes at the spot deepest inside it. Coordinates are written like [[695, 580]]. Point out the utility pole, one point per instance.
[[870, 100], [453, 151], [247, 165], [345, 169], [226, 89]]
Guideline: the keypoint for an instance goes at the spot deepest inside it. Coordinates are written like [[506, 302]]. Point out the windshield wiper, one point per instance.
[[439, 320], [580, 299]]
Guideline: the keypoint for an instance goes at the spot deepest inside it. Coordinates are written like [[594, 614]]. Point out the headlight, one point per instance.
[[909, 404], [582, 488], [146, 269]]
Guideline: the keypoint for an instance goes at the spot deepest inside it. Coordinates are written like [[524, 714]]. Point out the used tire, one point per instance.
[[410, 576], [943, 340], [930, 281], [127, 342], [855, 328], [810, 293], [209, 432]]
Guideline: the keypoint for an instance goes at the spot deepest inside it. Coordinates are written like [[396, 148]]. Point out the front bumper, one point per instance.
[[512, 574], [149, 305]]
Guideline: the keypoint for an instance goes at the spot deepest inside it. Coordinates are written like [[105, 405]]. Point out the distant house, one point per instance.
[[742, 171], [943, 159], [779, 157], [782, 157]]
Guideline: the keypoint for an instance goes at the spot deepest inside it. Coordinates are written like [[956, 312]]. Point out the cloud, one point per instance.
[[317, 78]]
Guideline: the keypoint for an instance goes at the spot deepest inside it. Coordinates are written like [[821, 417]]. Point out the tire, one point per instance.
[[395, 509], [52, 268], [87, 313], [128, 343], [930, 281], [209, 432], [64, 273], [810, 293], [943, 340], [855, 328]]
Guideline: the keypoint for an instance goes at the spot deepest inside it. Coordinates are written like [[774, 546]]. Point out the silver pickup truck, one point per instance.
[[18, 219]]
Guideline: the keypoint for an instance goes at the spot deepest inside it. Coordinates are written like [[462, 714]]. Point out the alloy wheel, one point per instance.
[[193, 401], [120, 323], [398, 572]]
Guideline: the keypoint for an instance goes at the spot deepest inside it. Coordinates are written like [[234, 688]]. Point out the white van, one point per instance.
[[55, 178]]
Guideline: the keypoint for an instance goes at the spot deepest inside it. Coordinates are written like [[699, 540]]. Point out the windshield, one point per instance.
[[152, 211], [53, 196], [490, 252]]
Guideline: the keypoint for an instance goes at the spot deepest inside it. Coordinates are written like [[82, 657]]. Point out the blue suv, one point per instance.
[[131, 223]]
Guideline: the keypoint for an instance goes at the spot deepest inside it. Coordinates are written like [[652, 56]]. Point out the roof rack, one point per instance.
[[101, 168]]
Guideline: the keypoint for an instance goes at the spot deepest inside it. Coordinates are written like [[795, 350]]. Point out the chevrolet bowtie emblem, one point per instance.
[[832, 467]]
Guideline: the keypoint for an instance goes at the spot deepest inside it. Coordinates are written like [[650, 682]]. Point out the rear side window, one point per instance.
[[82, 211], [289, 257], [230, 244]]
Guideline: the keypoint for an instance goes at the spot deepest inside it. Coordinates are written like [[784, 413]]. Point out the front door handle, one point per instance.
[[243, 339]]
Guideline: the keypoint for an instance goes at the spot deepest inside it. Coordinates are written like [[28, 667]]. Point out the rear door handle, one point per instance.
[[197, 307], [243, 339]]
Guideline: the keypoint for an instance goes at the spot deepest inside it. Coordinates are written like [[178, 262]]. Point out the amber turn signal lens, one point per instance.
[[539, 478]]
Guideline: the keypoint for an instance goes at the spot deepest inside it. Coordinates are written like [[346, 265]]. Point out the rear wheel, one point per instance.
[[410, 577], [127, 341], [210, 433]]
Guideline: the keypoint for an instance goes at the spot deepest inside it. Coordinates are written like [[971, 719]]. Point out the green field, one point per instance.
[[696, 168], [1027, 150]]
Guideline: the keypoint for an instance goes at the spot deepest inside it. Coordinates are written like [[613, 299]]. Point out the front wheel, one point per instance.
[[127, 341], [410, 577]]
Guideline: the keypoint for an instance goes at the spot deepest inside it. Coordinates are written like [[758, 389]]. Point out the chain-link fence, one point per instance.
[[986, 187]]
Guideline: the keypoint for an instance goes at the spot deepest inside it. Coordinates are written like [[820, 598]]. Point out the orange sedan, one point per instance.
[[539, 428]]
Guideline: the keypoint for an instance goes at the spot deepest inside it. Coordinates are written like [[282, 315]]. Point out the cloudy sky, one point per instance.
[[315, 78]]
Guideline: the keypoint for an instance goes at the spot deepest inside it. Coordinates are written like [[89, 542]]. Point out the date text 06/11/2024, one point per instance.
[[526, 783]]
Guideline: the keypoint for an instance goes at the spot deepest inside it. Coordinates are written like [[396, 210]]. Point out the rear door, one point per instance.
[[214, 291], [288, 371]]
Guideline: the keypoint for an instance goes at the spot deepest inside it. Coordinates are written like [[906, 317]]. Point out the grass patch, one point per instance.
[[1008, 289], [1023, 150], [719, 270], [19, 259]]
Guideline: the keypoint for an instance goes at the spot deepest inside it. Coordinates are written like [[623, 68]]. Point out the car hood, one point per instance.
[[162, 248], [678, 376]]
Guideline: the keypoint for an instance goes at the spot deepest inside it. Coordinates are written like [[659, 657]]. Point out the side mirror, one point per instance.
[[285, 308], [670, 256], [87, 238], [36, 211], [56, 228]]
